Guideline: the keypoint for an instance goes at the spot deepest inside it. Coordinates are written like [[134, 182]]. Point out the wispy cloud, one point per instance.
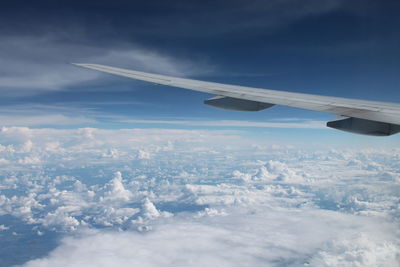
[[291, 123], [27, 71], [46, 115], [85, 113], [45, 120]]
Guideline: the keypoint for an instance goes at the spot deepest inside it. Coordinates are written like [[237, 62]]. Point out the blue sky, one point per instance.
[[323, 47]]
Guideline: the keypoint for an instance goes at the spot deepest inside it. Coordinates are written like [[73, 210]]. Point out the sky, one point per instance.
[[99, 170], [327, 47]]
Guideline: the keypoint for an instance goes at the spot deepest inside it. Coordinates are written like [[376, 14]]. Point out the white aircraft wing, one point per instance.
[[357, 116]]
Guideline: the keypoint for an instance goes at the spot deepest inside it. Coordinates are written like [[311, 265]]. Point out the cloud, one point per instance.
[[293, 123], [52, 115], [212, 194], [151, 60], [255, 238], [48, 115], [116, 191], [41, 120], [27, 71], [3, 227], [45, 68], [363, 250]]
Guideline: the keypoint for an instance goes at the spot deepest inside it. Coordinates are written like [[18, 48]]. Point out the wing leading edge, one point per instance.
[[357, 116]]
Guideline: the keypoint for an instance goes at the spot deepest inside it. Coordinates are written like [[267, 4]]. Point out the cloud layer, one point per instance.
[[178, 197]]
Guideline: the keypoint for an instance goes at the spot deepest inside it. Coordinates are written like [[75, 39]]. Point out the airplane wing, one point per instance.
[[357, 116]]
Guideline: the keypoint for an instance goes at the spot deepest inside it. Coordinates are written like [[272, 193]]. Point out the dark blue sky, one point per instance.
[[329, 47]]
